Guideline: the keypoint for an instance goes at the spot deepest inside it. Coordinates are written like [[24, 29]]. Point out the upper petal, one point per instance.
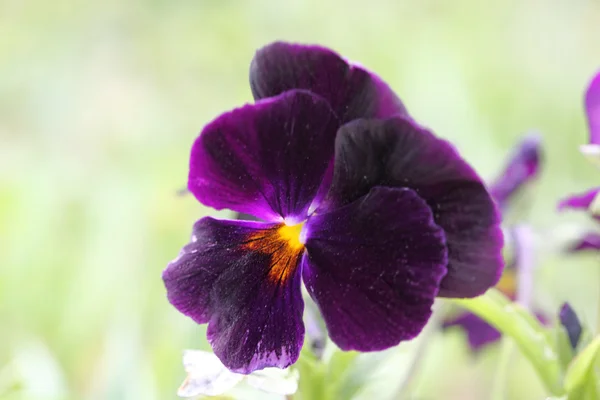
[[592, 107], [397, 153], [522, 166], [243, 279], [352, 91], [267, 159], [373, 271]]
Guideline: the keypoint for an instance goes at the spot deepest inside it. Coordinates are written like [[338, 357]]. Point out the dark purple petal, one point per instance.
[[582, 200], [522, 167], [398, 153], [243, 279], [592, 107], [479, 333], [590, 241], [570, 321], [352, 91], [266, 159], [374, 272]]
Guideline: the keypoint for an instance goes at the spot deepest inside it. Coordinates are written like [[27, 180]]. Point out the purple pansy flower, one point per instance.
[[522, 168], [583, 201], [374, 213]]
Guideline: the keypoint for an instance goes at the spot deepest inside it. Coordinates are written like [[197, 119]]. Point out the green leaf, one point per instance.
[[312, 373], [517, 323], [339, 383], [562, 344], [581, 375]]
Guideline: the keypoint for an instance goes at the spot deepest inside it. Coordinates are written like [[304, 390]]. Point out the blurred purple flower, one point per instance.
[[583, 201], [592, 108], [580, 201], [374, 213], [522, 167]]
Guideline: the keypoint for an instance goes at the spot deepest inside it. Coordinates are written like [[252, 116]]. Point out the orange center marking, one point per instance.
[[282, 244]]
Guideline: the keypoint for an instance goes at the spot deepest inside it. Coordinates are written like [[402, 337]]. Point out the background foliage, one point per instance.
[[100, 101]]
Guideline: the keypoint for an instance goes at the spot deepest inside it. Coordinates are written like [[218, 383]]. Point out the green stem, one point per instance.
[[514, 321], [433, 326], [501, 376], [598, 314]]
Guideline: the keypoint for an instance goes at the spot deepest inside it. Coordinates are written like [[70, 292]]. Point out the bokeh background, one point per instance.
[[100, 102]]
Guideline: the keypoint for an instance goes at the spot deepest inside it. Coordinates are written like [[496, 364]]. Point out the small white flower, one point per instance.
[[209, 377]]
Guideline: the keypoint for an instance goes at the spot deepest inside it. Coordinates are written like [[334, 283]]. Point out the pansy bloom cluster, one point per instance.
[[374, 213]]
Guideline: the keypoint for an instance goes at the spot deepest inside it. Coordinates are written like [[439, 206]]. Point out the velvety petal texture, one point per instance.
[[592, 107], [522, 167], [266, 159], [398, 153], [374, 267], [352, 91], [569, 320], [579, 201], [243, 279]]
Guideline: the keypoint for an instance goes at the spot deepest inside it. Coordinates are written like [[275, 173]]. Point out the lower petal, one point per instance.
[[374, 268], [243, 279]]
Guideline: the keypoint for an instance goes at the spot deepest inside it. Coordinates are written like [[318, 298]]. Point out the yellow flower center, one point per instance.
[[283, 246], [291, 234]]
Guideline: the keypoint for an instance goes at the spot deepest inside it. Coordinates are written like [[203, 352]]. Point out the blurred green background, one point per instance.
[[100, 102]]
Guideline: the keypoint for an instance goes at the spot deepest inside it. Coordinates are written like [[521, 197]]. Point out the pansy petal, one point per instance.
[[266, 159], [397, 153], [479, 333], [570, 321], [579, 201], [242, 278], [592, 107], [589, 241], [352, 91], [374, 272], [522, 167]]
